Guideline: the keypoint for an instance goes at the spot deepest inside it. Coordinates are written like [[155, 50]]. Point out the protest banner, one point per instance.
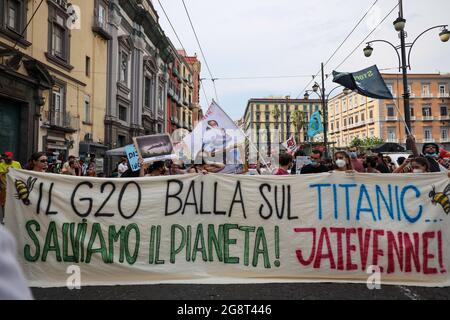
[[231, 228], [153, 148]]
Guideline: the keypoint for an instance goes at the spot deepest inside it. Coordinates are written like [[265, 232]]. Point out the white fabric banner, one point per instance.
[[231, 228]]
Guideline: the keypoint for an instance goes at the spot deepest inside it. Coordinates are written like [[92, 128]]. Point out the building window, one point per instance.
[[344, 105], [442, 91], [160, 128], [411, 111], [426, 111], [356, 119], [13, 17], [390, 111], [409, 89], [121, 141], [59, 43], [160, 98], [444, 134], [87, 109], [316, 108], [88, 66], [57, 106], [102, 15], [363, 116], [371, 133], [426, 90], [147, 92], [124, 67], [444, 111], [427, 134], [122, 113], [392, 133], [345, 122]]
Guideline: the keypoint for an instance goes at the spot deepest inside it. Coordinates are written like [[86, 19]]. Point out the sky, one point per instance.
[[267, 38]]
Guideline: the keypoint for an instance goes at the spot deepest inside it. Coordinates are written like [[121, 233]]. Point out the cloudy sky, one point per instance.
[[290, 38]]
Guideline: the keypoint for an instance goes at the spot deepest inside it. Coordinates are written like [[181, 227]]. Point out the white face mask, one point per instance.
[[341, 163], [417, 171]]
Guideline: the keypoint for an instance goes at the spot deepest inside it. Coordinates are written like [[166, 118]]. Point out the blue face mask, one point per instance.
[[431, 155], [314, 163], [353, 155]]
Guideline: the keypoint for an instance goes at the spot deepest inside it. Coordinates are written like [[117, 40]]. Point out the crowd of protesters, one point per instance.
[[431, 159]]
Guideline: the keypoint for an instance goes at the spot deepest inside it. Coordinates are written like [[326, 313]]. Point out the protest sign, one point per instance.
[[154, 147], [231, 228], [133, 157], [218, 136]]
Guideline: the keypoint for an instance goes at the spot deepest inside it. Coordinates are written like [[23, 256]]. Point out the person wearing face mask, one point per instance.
[[356, 163], [316, 165], [420, 165], [342, 161], [5, 166], [285, 165], [431, 152]]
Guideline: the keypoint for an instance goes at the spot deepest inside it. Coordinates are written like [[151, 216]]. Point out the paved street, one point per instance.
[[247, 292]]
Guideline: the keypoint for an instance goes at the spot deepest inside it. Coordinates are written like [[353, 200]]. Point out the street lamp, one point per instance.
[[403, 63], [320, 91]]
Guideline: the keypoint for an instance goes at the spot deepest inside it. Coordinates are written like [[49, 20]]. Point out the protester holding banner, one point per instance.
[[357, 164], [315, 166], [420, 165], [38, 162], [285, 165], [343, 162], [370, 165]]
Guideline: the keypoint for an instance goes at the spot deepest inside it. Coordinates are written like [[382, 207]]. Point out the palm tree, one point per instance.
[[276, 113], [299, 121]]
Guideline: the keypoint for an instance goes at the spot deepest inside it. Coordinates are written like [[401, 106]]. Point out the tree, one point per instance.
[[366, 142], [299, 121]]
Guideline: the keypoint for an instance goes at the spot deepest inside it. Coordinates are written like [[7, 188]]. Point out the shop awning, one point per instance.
[[116, 152]]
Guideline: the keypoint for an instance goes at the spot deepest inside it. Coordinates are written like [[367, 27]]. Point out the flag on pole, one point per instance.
[[217, 134], [315, 125], [290, 145], [367, 82]]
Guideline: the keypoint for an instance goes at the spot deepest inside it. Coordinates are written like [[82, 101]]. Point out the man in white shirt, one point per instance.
[[12, 281], [123, 166]]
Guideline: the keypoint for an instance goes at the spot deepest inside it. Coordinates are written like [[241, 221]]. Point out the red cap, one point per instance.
[[9, 154]]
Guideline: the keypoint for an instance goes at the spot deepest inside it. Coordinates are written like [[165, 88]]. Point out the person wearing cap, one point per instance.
[[4, 169], [431, 152]]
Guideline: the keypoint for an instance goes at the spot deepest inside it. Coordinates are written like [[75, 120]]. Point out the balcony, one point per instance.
[[427, 95], [444, 95], [370, 121], [171, 92], [392, 140], [392, 118], [63, 121], [185, 103], [444, 118], [444, 140], [412, 95], [101, 28], [427, 118], [413, 118], [429, 140]]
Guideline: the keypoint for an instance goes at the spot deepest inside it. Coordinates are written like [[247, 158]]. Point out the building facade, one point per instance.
[[138, 78], [274, 120], [357, 116], [52, 79]]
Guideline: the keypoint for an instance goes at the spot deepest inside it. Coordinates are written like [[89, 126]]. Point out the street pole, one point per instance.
[[325, 115], [406, 94]]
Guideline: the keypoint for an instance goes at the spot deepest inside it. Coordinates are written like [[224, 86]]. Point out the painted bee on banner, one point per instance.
[[24, 189], [441, 198]]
